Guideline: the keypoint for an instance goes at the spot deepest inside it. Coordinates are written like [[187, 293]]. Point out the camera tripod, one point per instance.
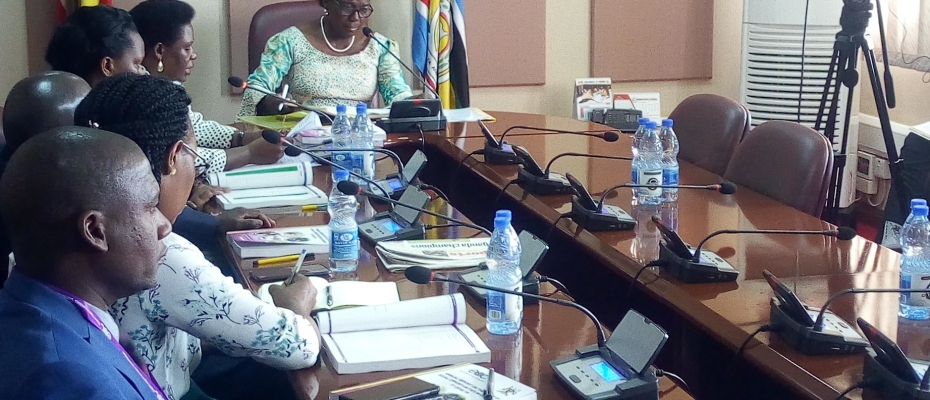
[[854, 20]]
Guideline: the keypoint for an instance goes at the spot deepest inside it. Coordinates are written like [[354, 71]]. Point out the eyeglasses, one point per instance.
[[201, 165], [348, 9]]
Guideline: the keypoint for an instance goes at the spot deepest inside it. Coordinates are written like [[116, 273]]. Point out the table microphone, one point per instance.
[[292, 150], [371, 34], [237, 82], [609, 136], [397, 162], [496, 152], [722, 187], [423, 275], [535, 180], [841, 233], [353, 189]]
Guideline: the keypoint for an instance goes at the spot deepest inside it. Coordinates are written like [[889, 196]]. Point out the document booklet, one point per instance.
[[433, 254], [343, 294], [421, 333], [277, 242], [275, 185], [463, 381]]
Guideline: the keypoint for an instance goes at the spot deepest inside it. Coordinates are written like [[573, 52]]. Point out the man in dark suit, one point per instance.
[[80, 207]]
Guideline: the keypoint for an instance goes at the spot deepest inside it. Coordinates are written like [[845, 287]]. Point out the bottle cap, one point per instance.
[[668, 123], [918, 202], [651, 125], [920, 211], [501, 222], [643, 121], [503, 214], [341, 175], [341, 108], [361, 108]]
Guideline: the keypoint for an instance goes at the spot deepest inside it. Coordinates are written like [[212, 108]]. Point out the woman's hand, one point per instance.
[[262, 152], [241, 219], [272, 106], [203, 193]]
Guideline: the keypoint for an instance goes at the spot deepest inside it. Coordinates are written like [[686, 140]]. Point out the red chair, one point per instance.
[[786, 161]]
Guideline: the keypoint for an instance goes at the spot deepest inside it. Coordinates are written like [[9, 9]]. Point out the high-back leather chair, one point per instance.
[[274, 18], [786, 161], [708, 128]]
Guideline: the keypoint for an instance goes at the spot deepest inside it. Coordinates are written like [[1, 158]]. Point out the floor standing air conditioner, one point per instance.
[[771, 76]]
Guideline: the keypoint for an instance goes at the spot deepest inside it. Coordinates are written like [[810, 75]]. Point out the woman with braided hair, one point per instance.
[[192, 301]]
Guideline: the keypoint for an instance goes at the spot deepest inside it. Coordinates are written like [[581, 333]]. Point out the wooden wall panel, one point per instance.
[[506, 42], [651, 40]]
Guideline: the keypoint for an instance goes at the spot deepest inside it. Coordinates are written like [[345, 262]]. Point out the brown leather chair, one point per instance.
[[275, 18], [786, 161], [709, 127]]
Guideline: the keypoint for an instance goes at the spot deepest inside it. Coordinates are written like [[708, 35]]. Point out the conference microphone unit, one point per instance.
[[401, 224], [825, 334], [888, 370], [411, 115], [608, 136], [535, 180], [593, 372], [496, 152], [238, 83], [675, 256], [594, 217], [722, 187], [293, 150]]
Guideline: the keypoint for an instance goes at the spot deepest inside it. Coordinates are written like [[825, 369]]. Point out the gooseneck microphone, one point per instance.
[[841, 233], [722, 187], [818, 323], [397, 162], [422, 275], [237, 82], [290, 149], [549, 165], [371, 34], [608, 136], [353, 189]]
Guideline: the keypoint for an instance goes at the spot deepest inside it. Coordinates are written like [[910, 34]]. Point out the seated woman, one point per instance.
[[327, 62], [112, 45], [192, 301]]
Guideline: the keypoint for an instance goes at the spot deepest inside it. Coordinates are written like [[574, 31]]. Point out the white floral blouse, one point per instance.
[[319, 79], [194, 301]]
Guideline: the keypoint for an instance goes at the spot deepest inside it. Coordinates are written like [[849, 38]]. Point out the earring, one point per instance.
[[173, 171], [325, 13], [161, 66]]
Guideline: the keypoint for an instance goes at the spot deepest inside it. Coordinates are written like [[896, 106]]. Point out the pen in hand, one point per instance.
[[300, 262]]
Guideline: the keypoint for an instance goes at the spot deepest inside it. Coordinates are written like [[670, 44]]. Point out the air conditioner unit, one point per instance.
[[773, 32]]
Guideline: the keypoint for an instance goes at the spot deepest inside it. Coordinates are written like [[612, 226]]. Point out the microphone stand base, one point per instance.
[[500, 156], [372, 231], [616, 220], [407, 125], [644, 386], [887, 383], [808, 341], [689, 271], [543, 186]]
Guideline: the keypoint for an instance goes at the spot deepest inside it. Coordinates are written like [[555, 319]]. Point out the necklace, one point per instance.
[[351, 43]]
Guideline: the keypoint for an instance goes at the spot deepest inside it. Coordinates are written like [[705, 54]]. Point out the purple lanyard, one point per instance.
[[94, 320]]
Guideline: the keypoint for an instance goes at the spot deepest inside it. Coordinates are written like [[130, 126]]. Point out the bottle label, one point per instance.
[[670, 177], [505, 306], [343, 159], [653, 179], [344, 245], [634, 170], [916, 281]]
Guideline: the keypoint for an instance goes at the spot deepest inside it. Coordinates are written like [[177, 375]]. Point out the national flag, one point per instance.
[[439, 50]]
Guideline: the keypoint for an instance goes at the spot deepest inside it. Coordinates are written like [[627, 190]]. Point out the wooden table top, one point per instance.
[[549, 331], [814, 266]]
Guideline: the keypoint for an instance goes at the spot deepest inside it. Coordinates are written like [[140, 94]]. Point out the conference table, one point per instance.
[[549, 331], [706, 323]]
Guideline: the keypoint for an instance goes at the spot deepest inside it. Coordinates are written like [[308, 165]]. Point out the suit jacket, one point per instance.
[[50, 351]]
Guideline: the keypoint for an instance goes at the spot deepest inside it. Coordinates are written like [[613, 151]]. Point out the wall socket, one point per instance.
[[872, 167]]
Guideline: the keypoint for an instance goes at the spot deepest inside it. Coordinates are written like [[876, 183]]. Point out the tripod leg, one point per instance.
[[826, 89], [890, 148]]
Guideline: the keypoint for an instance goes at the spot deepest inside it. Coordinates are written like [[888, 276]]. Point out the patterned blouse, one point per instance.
[[212, 138], [193, 301], [319, 79]]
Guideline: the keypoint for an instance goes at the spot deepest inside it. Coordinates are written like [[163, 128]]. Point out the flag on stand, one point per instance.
[[439, 50], [64, 8]]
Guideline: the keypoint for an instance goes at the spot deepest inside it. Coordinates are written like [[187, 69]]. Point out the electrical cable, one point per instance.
[[681, 382], [554, 224], [558, 285], [424, 186], [504, 190], [859, 385], [742, 347], [629, 291]]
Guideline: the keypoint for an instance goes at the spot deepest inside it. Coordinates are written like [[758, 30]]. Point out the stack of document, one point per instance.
[[433, 254], [274, 185]]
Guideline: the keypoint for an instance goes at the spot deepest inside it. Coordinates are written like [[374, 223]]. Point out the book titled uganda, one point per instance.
[[261, 186], [421, 333]]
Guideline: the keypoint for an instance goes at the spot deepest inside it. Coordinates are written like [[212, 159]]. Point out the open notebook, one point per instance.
[[342, 294]]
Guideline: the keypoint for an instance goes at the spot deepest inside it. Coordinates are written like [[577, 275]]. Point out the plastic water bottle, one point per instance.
[[363, 136], [647, 165], [915, 264], [914, 202], [344, 244], [669, 160], [505, 311], [342, 138], [637, 138]]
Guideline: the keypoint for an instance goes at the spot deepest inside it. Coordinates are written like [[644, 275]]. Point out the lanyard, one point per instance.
[[94, 320]]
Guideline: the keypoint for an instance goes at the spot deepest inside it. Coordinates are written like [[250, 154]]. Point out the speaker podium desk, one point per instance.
[[705, 322], [549, 331]]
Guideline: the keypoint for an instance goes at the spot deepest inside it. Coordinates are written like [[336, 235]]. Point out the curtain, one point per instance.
[[907, 30]]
